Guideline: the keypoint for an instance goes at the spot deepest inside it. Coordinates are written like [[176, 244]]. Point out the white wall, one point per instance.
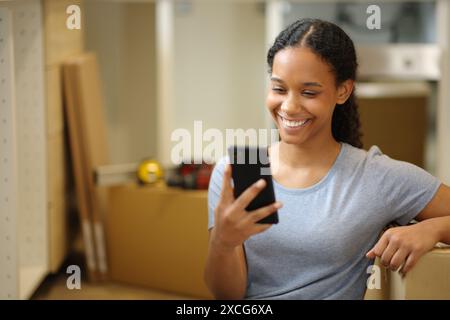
[[123, 36], [219, 66]]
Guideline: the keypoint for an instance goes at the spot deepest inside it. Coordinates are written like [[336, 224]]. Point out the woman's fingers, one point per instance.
[[409, 264], [388, 253], [234, 217], [226, 195], [260, 227], [261, 213], [378, 249], [398, 259], [249, 194]]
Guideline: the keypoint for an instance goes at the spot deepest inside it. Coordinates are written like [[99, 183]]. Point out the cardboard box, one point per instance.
[[429, 279], [157, 237]]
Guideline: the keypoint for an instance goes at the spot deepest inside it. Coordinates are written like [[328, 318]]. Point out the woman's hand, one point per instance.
[[403, 246], [233, 224]]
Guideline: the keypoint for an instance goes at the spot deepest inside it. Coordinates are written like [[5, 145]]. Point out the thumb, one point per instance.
[[371, 253], [379, 247]]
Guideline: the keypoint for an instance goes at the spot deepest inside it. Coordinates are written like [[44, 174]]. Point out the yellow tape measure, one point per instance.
[[150, 171]]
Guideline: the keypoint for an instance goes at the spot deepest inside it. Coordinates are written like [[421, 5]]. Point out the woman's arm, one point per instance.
[[225, 271], [403, 246], [437, 214]]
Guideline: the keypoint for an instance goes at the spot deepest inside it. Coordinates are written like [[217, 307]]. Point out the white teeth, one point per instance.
[[293, 124]]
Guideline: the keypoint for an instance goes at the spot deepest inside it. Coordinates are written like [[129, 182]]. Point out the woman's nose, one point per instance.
[[291, 106]]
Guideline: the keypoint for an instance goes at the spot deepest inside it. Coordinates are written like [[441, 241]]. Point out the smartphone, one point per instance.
[[249, 164]]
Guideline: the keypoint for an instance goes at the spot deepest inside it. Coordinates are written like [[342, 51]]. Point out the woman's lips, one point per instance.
[[293, 124]]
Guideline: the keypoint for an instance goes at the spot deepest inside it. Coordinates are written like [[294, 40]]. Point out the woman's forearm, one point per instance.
[[441, 227], [225, 272]]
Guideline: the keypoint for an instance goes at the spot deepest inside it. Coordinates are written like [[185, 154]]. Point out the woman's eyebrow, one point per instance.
[[276, 79], [306, 84], [312, 84]]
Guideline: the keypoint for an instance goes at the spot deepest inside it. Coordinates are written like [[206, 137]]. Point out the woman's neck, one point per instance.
[[317, 154]]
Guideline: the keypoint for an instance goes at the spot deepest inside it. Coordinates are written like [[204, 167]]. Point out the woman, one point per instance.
[[336, 197]]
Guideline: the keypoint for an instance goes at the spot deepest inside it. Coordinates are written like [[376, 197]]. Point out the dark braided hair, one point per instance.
[[335, 47]]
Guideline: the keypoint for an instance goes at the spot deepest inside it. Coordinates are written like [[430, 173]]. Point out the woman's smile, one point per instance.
[[291, 125]]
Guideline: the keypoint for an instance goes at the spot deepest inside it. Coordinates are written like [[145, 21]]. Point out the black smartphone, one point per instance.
[[249, 164]]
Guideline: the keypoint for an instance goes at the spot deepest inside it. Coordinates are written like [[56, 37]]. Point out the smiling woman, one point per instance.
[[303, 95], [337, 198]]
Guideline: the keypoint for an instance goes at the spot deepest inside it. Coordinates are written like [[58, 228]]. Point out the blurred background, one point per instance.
[[92, 91]]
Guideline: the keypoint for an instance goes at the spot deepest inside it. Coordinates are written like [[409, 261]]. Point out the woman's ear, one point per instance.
[[344, 91]]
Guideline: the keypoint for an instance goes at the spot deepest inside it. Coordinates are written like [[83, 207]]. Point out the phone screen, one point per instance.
[[249, 164]]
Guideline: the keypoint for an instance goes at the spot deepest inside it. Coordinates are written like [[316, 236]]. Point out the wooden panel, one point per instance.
[[88, 142], [57, 168], [55, 114], [58, 229], [71, 103], [57, 200], [60, 42], [85, 83]]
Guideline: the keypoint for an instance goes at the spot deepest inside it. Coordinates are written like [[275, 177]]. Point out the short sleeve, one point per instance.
[[214, 189], [404, 188]]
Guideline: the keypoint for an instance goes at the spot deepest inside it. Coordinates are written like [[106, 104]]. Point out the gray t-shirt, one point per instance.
[[317, 250]]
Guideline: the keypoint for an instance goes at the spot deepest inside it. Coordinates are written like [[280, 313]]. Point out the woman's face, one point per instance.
[[303, 94]]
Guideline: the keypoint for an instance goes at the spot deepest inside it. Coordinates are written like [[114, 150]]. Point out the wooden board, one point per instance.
[[57, 188], [82, 80], [72, 102], [59, 43], [54, 111]]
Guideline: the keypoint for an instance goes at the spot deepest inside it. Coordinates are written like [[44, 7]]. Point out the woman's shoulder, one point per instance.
[[374, 151], [375, 162], [373, 155]]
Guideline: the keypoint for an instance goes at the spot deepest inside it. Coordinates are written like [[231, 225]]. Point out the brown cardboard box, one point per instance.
[[157, 237], [429, 279]]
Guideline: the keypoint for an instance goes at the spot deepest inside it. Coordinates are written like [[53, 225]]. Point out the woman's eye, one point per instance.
[[309, 93], [278, 90]]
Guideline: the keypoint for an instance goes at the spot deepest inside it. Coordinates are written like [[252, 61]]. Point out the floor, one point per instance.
[[54, 288]]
